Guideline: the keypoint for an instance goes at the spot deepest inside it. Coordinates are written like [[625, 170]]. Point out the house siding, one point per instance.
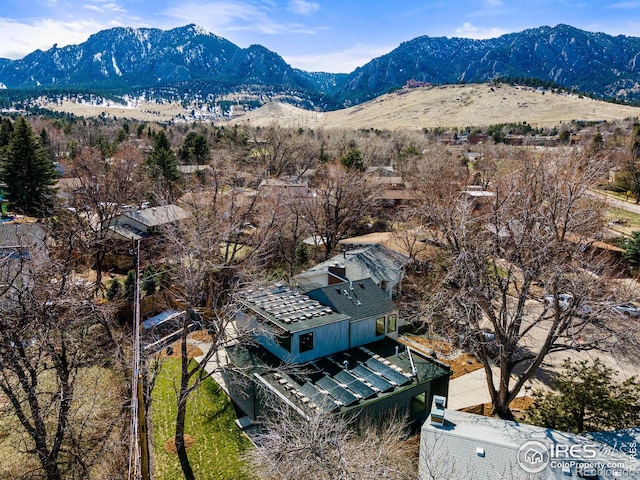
[[363, 332], [327, 340]]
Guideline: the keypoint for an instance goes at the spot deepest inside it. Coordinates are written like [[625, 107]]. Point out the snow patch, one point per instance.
[[115, 66]]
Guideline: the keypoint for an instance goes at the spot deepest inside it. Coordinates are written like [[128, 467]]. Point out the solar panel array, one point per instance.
[[376, 381], [388, 372], [348, 386], [287, 305], [331, 387], [355, 384]]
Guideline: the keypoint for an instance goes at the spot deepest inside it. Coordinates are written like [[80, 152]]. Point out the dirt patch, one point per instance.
[[173, 351], [460, 362], [522, 403], [170, 445], [202, 336], [518, 407]]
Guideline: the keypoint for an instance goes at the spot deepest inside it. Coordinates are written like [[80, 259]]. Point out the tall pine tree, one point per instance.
[[162, 160], [28, 172]]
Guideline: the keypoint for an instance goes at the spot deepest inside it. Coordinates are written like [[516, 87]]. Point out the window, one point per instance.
[[379, 326], [306, 342], [391, 325], [418, 404]]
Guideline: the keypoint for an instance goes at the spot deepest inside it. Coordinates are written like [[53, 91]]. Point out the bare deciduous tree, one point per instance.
[[324, 446], [211, 254], [96, 192], [342, 199], [533, 237], [53, 339]]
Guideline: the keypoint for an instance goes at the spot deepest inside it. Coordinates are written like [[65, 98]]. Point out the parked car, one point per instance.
[[628, 309], [586, 470], [564, 301]]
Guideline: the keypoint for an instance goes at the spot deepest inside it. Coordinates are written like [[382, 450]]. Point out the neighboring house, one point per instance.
[[335, 343], [390, 189], [475, 447], [194, 170], [382, 265], [284, 185], [410, 243], [395, 197], [142, 223]]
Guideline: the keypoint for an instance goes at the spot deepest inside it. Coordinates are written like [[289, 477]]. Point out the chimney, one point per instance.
[[336, 274], [437, 410]]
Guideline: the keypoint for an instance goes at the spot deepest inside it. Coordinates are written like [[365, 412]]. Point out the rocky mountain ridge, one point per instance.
[[189, 61]]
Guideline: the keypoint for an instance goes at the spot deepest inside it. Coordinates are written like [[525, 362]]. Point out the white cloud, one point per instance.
[[303, 7], [468, 30], [345, 61], [225, 17], [20, 39], [105, 7], [493, 3], [216, 15]]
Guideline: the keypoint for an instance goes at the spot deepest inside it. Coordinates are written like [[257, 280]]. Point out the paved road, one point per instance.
[[629, 206]]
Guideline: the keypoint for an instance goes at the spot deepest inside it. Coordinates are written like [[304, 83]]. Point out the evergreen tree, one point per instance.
[[195, 149], [115, 290], [130, 285], [353, 158], [302, 254], [6, 131], [632, 250], [149, 280], [587, 398], [162, 160], [28, 172]]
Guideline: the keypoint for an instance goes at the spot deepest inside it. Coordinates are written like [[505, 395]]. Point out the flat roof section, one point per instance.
[[288, 308], [345, 380]]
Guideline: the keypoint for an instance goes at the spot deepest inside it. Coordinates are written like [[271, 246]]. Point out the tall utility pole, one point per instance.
[[138, 446]]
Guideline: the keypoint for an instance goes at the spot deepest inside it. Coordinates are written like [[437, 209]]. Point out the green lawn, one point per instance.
[[219, 444], [632, 220]]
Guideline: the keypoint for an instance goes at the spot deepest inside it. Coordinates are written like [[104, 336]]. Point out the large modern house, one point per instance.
[[331, 349]]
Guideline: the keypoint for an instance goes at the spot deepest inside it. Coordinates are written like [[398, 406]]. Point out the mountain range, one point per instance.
[[189, 61]]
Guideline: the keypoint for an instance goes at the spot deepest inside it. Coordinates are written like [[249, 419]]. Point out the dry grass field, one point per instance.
[[472, 105], [144, 111], [448, 106]]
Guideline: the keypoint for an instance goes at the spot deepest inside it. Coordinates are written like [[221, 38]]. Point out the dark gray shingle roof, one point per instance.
[[359, 299]]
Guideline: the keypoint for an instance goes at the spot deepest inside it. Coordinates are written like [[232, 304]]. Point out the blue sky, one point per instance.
[[315, 35]]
